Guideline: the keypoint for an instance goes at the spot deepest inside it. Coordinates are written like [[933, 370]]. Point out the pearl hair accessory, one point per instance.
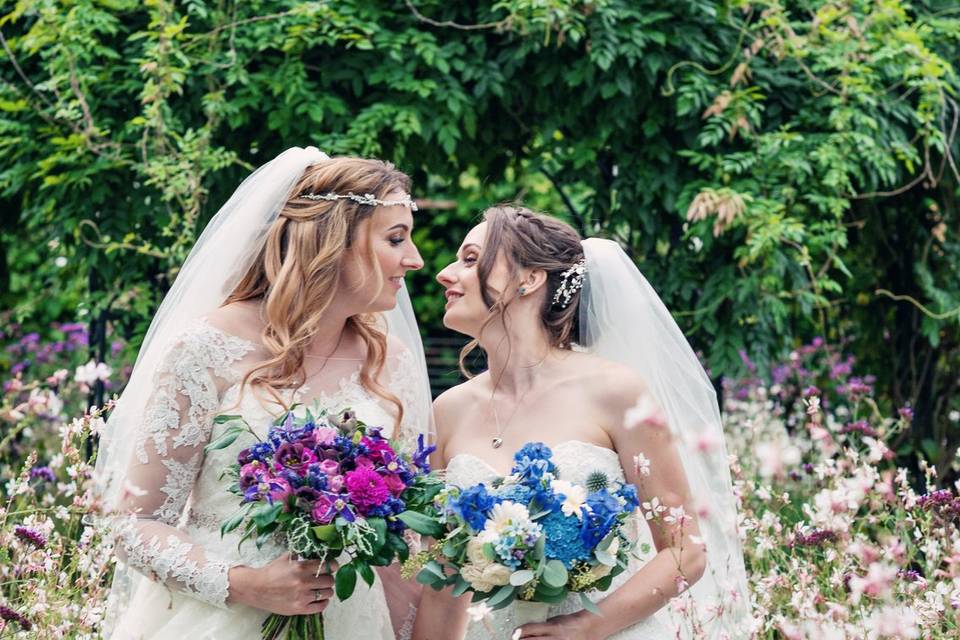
[[571, 281], [367, 198]]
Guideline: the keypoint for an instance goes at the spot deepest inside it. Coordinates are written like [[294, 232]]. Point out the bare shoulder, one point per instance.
[[612, 386], [607, 378], [451, 403], [240, 319]]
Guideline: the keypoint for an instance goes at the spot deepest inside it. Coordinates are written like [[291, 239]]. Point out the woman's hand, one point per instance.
[[286, 586], [581, 625]]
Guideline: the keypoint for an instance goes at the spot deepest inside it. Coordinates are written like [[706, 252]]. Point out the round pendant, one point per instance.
[[497, 442]]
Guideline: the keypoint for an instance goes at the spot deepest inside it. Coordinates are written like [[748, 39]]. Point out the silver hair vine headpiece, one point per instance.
[[367, 198], [571, 281]]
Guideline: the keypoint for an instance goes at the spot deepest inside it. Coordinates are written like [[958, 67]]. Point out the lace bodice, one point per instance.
[[575, 461], [176, 497]]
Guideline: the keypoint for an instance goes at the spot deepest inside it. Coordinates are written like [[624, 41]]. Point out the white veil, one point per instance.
[[225, 250], [622, 319]]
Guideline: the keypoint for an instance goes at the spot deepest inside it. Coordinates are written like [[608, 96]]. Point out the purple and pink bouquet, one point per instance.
[[330, 485]]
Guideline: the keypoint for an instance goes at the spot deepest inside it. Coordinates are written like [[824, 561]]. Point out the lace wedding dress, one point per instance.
[[575, 461], [180, 586]]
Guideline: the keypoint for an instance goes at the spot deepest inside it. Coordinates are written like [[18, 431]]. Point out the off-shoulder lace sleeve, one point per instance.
[[409, 382], [176, 426]]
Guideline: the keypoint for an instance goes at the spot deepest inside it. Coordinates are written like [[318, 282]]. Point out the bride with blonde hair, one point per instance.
[[293, 294]]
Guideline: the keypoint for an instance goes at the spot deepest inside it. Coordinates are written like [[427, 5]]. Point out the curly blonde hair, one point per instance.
[[297, 274]]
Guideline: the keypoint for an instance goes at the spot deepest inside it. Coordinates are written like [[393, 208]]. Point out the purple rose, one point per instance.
[[395, 484], [323, 512], [330, 467]]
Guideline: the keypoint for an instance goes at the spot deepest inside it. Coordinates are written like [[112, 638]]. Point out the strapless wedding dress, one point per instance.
[[575, 461]]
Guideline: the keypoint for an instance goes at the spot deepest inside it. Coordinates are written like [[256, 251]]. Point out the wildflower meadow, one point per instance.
[[784, 174]]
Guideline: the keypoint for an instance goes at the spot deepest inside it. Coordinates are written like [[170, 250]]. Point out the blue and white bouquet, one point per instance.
[[532, 536]]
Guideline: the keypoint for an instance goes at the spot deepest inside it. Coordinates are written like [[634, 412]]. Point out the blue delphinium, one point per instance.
[[532, 461], [391, 507], [534, 451], [258, 451], [563, 539], [629, 494], [421, 458], [599, 517], [518, 493], [473, 505], [545, 499]]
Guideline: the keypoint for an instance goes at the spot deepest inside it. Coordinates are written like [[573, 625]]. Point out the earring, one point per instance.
[[522, 290]]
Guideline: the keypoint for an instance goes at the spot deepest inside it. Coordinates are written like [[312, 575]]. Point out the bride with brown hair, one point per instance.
[[294, 293], [584, 358]]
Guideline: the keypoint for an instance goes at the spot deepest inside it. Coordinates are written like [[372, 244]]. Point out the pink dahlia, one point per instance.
[[366, 488]]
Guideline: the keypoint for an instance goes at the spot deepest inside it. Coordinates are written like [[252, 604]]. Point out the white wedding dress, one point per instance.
[[180, 586], [575, 461]]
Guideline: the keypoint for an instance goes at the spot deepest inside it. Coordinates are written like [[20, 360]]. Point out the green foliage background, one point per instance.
[[777, 170]]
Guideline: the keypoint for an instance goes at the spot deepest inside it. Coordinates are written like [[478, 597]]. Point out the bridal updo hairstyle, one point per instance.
[[297, 274], [530, 240]]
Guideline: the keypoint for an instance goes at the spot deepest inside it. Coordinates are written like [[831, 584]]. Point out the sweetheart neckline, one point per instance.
[[553, 448]]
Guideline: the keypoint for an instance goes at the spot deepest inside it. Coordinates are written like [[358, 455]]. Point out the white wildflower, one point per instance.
[[89, 373], [642, 464], [479, 611]]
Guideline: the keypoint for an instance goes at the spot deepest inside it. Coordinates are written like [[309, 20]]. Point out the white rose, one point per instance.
[[497, 574], [475, 552], [614, 547], [474, 575]]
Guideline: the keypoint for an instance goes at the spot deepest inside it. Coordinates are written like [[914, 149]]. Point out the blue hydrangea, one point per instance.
[[599, 518], [292, 477], [563, 539], [473, 505]]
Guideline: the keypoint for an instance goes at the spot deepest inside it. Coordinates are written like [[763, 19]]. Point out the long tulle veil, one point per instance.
[[622, 319], [225, 250]]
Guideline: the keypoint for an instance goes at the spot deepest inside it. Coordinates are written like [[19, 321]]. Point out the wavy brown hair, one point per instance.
[[529, 240], [297, 274]]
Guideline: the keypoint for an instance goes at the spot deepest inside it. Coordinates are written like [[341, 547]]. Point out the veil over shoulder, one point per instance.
[[623, 319]]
